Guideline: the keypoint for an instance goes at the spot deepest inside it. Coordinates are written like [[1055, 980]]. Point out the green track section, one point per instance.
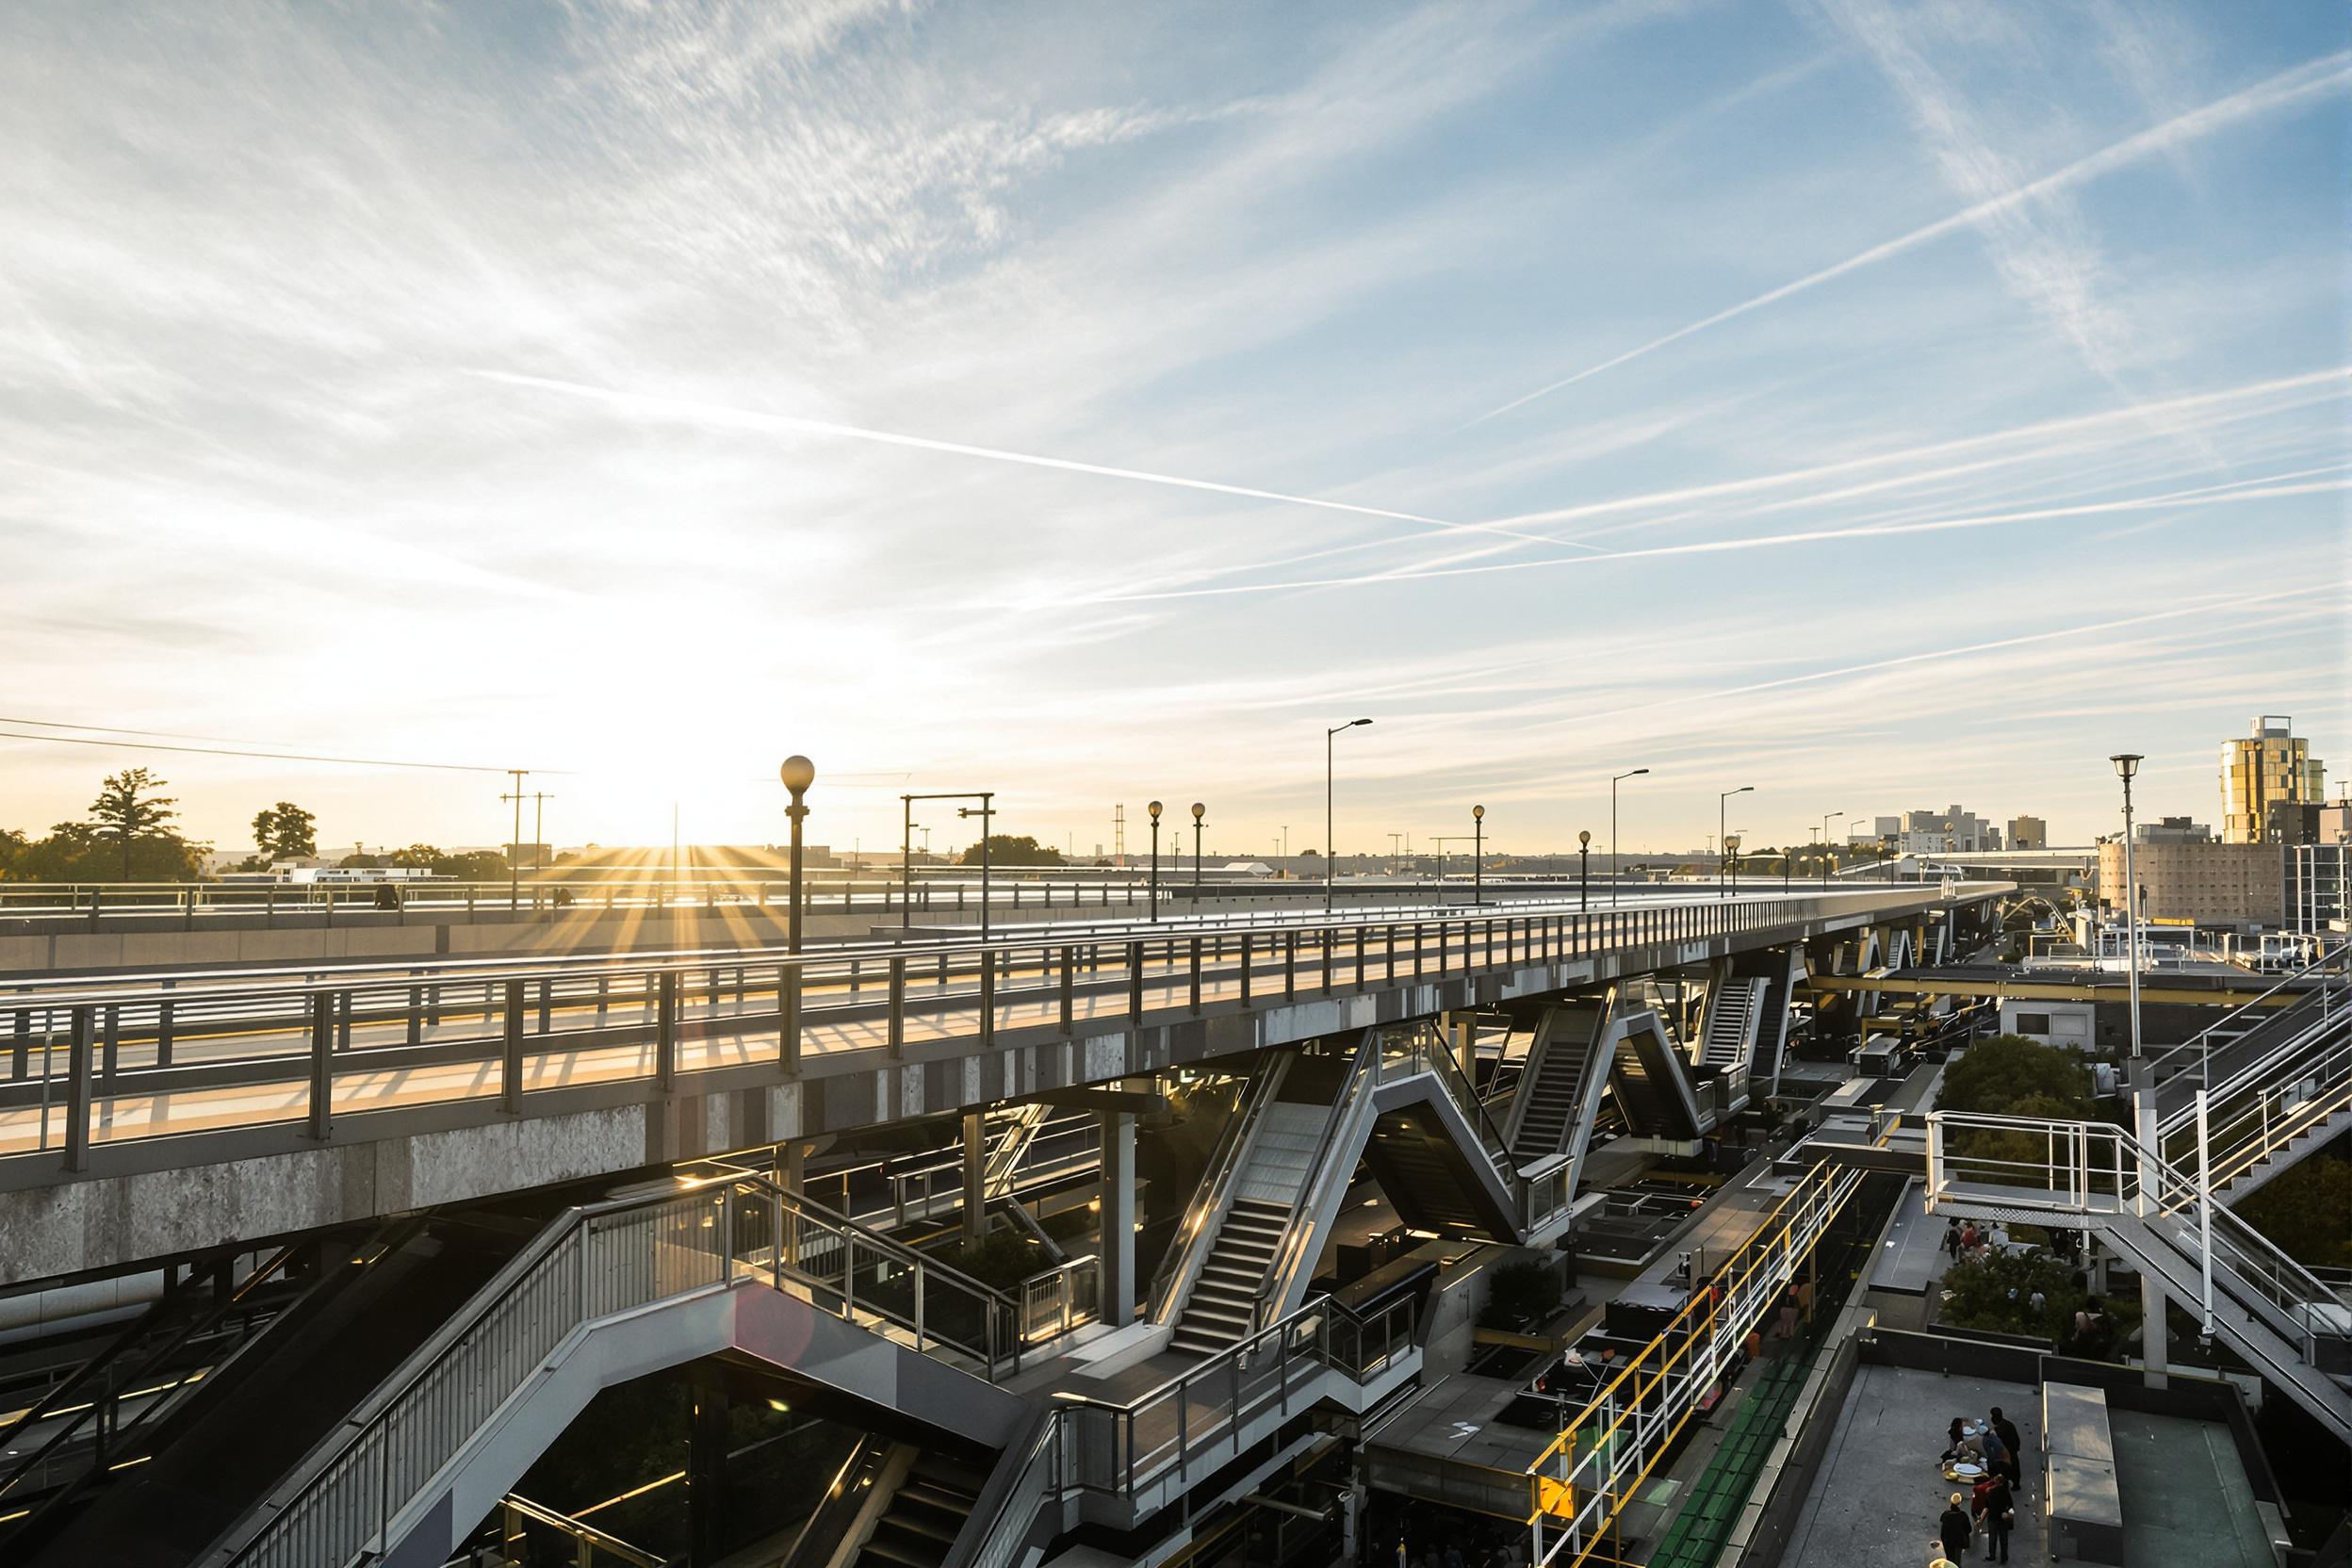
[[1696, 1537]]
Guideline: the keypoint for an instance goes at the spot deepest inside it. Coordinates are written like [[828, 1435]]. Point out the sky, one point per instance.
[[1882, 405]]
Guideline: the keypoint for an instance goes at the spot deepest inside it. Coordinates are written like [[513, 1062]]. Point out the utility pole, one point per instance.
[[513, 880]]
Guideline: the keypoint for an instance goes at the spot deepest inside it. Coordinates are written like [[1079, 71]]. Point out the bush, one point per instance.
[[1520, 1294]]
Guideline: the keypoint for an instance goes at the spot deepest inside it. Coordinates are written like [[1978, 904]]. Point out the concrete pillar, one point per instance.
[[975, 1176], [1119, 1217]]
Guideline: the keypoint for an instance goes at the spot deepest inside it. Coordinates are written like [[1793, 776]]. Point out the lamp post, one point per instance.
[[1199, 811], [1829, 849], [1155, 810], [1616, 870], [1722, 876], [1477, 855], [2126, 764], [986, 811], [1331, 866], [1584, 869], [797, 773]]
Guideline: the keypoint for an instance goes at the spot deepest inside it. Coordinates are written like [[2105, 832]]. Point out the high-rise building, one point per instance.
[[2271, 766], [2027, 833]]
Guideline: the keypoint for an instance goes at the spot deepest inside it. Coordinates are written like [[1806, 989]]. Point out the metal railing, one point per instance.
[[2256, 1111], [594, 1263], [2102, 1176], [1195, 1233], [1191, 1423], [523, 1524], [97, 1062], [1578, 1485], [2257, 1012]]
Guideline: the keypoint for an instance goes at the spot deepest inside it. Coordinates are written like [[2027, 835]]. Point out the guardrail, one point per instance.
[[2256, 1013], [1578, 1486], [93, 1063], [598, 1262], [557, 893], [2097, 1172]]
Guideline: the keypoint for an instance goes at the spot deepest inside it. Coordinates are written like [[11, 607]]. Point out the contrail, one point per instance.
[[2204, 607], [752, 420], [2288, 87], [1712, 546]]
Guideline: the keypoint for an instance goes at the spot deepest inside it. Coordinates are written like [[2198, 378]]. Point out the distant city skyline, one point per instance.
[[1873, 405]]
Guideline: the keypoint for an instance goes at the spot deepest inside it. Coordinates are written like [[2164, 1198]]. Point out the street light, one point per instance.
[[1584, 870], [1616, 870], [1199, 811], [1330, 865], [1155, 810], [1477, 855], [986, 811], [797, 773], [2126, 764], [1723, 847], [1829, 851]]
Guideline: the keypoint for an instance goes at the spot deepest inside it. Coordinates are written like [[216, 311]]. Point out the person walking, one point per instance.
[[1996, 1516], [2015, 1444], [1954, 1529]]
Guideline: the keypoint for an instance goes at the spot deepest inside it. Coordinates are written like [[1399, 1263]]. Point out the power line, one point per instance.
[[118, 729], [265, 756]]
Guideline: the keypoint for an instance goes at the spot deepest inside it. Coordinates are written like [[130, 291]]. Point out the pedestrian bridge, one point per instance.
[[143, 1119]]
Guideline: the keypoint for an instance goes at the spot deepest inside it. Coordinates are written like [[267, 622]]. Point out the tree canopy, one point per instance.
[[128, 808], [286, 832], [1007, 850], [2001, 1076], [2307, 1211]]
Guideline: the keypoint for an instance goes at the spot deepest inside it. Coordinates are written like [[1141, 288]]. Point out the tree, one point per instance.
[[83, 851], [1996, 1076], [286, 832], [1007, 850], [2307, 1211], [12, 846], [127, 809]]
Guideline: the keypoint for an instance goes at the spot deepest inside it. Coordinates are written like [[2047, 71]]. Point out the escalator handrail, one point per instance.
[[1232, 1148], [522, 1270]]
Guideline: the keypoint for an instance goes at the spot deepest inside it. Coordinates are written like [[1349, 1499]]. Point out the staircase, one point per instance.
[[1734, 1010], [918, 1527], [2288, 1325], [2276, 1092], [1551, 1090], [1409, 1161], [1222, 1307]]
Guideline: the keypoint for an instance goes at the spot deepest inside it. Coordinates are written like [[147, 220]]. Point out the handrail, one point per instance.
[[2197, 1042], [1233, 1146], [666, 1245], [598, 1542], [34, 991], [1321, 1170], [1465, 1097], [2121, 1186]]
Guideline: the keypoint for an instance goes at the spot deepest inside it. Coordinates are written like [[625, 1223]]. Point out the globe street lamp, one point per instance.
[[1155, 810], [1477, 855], [1199, 811], [1330, 864], [1584, 870], [1723, 874], [797, 773], [1616, 867]]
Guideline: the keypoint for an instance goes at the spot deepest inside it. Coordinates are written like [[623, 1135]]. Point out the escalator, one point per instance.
[[256, 1415]]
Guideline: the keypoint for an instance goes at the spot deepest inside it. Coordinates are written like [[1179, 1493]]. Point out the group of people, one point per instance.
[[1990, 1508], [1965, 1241]]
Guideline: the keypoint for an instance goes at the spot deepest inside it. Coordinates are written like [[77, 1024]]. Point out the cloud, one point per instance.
[[2051, 275]]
